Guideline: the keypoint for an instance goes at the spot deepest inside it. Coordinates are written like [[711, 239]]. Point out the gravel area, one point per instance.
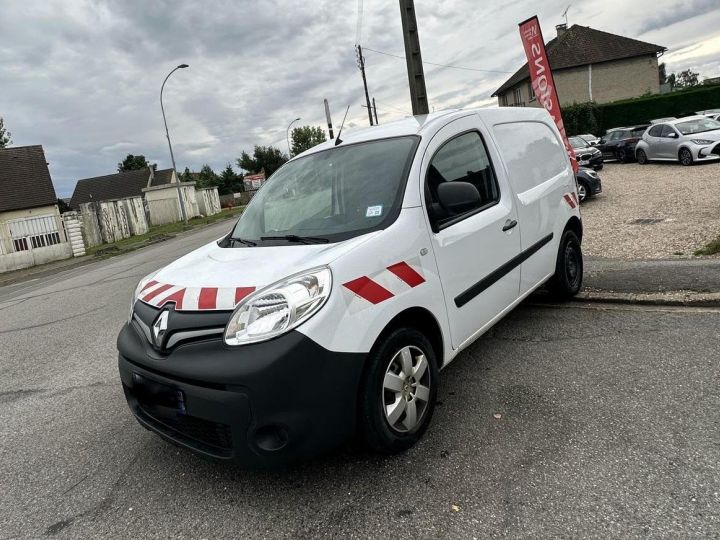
[[684, 200]]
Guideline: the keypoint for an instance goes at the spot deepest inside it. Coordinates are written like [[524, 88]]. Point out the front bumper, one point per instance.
[[263, 404], [595, 162], [705, 152]]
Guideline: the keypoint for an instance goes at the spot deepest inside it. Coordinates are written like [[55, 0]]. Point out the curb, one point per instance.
[[667, 298]]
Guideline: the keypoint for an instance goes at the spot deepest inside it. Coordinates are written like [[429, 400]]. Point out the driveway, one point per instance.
[[567, 420], [654, 211]]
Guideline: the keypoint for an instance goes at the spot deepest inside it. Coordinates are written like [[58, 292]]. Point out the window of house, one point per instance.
[[35, 232], [504, 100], [463, 159], [517, 95], [531, 92]]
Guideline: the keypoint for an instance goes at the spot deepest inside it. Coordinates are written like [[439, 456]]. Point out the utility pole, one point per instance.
[[375, 111], [361, 65], [416, 75], [327, 115]]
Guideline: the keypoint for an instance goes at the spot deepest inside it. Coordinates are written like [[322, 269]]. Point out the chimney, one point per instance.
[[561, 29]]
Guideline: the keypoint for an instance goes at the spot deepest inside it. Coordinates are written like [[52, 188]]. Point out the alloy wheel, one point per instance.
[[406, 389], [582, 192], [685, 157]]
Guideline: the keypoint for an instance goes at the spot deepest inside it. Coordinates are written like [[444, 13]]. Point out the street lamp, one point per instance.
[[287, 134], [167, 134]]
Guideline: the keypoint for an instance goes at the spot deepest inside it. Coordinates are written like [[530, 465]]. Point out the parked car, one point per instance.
[[592, 140], [661, 120], [333, 312], [687, 140], [619, 143], [588, 184], [587, 156]]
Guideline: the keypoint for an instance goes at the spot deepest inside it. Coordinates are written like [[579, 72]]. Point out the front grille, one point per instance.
[[210, 437]]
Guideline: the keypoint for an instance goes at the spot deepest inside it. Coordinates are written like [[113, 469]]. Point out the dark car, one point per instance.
[[587, 156], [588, 184], [620, 143]]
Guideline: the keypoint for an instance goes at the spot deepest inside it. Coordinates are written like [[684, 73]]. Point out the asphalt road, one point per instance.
[[609, 427]]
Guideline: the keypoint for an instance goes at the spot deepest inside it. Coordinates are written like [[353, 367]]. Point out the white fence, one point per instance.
[[208, 201], [110, 221]]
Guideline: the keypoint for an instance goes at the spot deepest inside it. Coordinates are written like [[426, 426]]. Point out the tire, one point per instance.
[[620, 155], [641, 157], [385, 402], [685, 157], [583, 192], [567, 280]]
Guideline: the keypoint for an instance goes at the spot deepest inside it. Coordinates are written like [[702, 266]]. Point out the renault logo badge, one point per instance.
[[160, 327]]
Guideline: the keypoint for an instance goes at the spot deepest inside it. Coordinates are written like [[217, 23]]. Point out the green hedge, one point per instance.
[[594, 118]]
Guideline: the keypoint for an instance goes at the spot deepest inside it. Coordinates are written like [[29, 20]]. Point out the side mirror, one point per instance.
[[673, 135], [458, 197], [601, 141]]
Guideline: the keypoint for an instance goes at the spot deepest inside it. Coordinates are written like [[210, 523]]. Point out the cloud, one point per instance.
[[82, 77]]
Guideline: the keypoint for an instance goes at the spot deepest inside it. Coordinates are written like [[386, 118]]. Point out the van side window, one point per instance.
[[532, 152], [462, 159]]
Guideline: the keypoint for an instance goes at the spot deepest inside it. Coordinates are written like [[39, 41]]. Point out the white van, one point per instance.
[[359, 271]]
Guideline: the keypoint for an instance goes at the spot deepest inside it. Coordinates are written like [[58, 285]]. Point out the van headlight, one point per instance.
[[140, 286], [279, 308]]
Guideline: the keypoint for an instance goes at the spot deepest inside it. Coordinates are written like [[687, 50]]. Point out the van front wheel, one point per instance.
[[397, 397], [568, 268]]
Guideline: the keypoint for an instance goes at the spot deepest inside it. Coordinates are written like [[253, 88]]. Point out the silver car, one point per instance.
[[687, 140]]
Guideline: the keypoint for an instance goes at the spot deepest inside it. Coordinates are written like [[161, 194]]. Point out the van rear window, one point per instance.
[[532, 152]]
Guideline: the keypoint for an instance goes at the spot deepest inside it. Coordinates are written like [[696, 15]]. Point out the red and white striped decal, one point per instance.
[[193, 298], [393, 280], [571, 199]]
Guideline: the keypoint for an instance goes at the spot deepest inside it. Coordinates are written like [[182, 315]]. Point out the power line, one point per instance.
[[439, 65]]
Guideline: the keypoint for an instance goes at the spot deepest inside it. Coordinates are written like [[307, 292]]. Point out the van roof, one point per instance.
[[429, 124]]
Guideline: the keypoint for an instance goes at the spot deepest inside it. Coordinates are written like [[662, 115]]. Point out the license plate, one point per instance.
[[159, 395], [584, 162]]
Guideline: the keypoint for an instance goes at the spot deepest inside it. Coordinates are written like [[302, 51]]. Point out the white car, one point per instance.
[[687, 140], [357, 272]]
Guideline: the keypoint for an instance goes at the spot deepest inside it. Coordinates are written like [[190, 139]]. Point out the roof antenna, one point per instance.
[[565, 13], [338, 140]]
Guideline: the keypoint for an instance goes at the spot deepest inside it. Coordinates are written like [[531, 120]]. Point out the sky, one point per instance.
[[82, 77]]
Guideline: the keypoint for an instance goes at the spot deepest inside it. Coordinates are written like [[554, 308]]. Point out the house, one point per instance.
[[31, 229], [119, 185], [589, 65]]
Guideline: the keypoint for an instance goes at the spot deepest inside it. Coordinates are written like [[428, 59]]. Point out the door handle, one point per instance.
[[509, 224]]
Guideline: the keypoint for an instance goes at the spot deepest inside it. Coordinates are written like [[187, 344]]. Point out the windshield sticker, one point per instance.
[[374, 211]]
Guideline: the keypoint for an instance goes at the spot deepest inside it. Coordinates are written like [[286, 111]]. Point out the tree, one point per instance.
[[304, 138], [133, 163], [264, 158], [186, 176], [63, 206], [686, 79], [5, 139], [230, 181], [662, 73], [207, 177]]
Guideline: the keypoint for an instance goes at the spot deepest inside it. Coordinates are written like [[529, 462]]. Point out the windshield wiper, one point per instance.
[[296, 238], [243, 241]]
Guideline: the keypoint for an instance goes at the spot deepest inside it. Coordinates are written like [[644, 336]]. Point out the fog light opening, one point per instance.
[[271, 438]]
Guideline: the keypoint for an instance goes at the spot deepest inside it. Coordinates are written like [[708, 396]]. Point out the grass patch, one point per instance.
[[160, 233], [711, 249]]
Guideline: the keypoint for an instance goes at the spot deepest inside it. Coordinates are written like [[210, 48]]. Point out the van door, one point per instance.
[[471, 247], [540, 174]]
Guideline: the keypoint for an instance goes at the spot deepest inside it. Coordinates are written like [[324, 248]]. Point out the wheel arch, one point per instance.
[[575, 225], [424, 321]]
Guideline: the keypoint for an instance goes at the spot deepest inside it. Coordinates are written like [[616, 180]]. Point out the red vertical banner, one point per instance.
[[541, 78]]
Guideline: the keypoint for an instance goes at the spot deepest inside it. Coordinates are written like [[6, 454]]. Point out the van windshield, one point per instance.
[[330, 196]]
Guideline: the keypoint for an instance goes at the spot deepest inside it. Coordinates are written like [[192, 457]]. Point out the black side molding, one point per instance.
[[496, 275]]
